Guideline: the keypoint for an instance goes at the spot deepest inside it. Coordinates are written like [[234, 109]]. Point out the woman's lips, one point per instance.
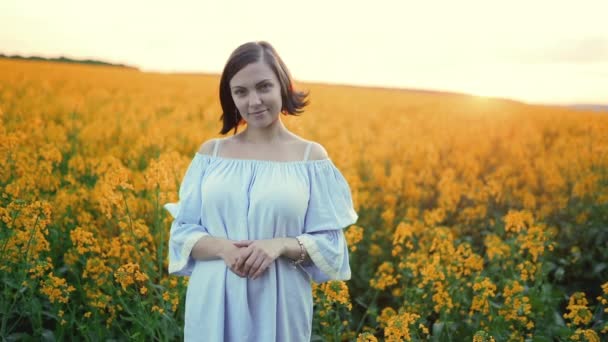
[[258, 113]]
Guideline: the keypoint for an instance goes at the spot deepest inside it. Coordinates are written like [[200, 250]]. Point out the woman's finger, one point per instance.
[[232, 266], [235, 263], [235, 271], [242, 258], [251, 260], [254, 268], [262, 269], [243, 243]]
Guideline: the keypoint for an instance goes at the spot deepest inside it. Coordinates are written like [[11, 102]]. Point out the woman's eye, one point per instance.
[[265, 85]]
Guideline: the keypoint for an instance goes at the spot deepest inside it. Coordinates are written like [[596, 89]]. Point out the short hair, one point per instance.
[[251, 52]]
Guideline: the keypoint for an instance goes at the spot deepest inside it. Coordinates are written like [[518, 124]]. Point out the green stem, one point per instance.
[[159, 255], [360, 325], [7, 238], [337, 324], [131, 226], [24, 273]]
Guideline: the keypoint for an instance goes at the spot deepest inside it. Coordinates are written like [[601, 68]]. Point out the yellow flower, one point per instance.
[[496, 248], [41, 267], [578, 312], [482, 336], [516, 308], [56, 289], [331, 292], [158, 309], [386, 314], [484, 289], [336, 291], [84, 241], [366, 337], [403, 234], [588, 334], [585, 185], [353, 235], [441, 298], [534, 241], [129, 274], [388, 215], [97, 270], [527, 270], [375, 250], [433, 217], [384, 276], [398, 327], [517, 221]]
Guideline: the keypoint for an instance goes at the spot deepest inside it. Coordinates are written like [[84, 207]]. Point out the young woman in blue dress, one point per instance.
[[261, 213], [255, 88]]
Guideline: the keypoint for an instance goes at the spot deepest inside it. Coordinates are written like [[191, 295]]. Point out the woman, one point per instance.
[[260, 214]]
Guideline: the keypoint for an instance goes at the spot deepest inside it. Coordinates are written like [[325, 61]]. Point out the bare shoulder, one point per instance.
[[317, 151], [207, 147]]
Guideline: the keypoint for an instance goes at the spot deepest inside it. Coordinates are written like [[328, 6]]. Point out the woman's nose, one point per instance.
[[254, 98]]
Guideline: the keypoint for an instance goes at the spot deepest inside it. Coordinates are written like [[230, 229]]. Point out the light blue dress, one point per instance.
[[245, 199]]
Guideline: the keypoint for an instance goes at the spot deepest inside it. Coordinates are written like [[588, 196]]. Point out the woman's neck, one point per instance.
[[268, 135]]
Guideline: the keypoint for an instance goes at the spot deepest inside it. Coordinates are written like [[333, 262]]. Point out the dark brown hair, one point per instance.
[[293, 101]]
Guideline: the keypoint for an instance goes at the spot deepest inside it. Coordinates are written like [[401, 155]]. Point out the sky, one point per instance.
[[542, 51]]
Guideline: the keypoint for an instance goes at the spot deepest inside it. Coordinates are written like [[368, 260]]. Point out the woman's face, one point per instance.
[[256, 92]]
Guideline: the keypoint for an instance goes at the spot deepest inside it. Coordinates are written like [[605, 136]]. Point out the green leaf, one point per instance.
[[316, 338], [437, 331], [597, 269], [361, 302], [17, 337], [558, 319], [47, 335]]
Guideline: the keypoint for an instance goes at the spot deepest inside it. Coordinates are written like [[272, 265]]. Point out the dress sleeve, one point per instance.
[[186, 228], [330, 209]]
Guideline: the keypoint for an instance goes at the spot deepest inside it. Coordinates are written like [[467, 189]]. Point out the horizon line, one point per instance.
[[92, 60]]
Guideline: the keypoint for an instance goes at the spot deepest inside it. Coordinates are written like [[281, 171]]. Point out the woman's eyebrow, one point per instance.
[[262, 81]]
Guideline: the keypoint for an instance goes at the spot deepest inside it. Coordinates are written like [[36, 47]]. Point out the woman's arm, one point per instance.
[[291, 248], [257, 255], [209, 248]]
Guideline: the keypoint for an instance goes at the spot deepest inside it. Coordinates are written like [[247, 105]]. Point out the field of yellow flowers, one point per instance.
[[480, 219]]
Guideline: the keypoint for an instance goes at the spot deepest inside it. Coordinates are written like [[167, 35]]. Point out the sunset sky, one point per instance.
[[533, 51]]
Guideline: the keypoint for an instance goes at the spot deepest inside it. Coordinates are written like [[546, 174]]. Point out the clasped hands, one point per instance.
[[250, 258]]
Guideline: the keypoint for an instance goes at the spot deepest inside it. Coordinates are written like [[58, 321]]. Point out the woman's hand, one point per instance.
[[257, 255], [231, 254]]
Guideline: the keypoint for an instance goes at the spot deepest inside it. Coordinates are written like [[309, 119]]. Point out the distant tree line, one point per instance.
[[63, 59]]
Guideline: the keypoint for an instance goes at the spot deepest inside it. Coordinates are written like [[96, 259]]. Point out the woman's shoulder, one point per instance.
[[207, 146], [317, 151]]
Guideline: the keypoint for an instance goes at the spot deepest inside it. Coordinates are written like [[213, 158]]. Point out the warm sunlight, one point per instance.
[[509, 49], [146, 197]]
